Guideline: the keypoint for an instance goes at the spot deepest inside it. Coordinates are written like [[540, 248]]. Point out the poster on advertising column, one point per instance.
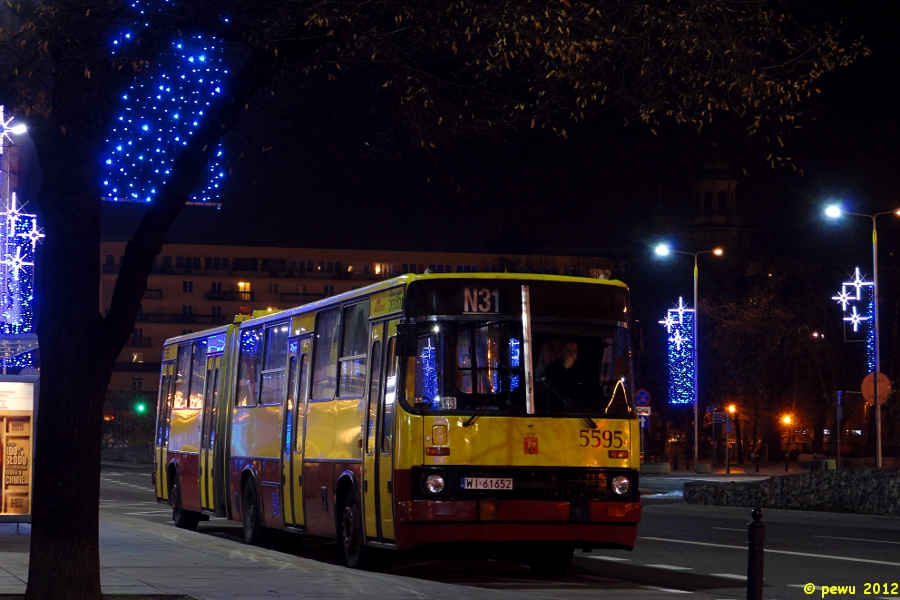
[[17, 403]]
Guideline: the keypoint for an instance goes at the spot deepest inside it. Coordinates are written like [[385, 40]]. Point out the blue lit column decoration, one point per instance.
[[679, 324], [19, 236], [159, 112], [857, 300]]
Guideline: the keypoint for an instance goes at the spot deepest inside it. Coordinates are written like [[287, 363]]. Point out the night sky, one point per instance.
[[301, 176]]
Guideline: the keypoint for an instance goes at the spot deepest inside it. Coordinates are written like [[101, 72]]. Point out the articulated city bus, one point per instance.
[[422, 410]]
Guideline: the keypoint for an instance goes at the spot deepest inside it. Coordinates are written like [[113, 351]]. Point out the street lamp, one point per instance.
[[664, 250], [787, 420], [729, 414], [834, 211]]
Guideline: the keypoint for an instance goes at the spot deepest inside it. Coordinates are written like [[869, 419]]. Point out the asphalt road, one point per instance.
[[682, 550]]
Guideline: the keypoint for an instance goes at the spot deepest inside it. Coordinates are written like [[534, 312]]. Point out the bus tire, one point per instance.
[[550, 560], [184, 519], [351, 538], [251, 516]]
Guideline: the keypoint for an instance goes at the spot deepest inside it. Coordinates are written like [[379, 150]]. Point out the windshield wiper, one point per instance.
[[478, 410], [568, 403]]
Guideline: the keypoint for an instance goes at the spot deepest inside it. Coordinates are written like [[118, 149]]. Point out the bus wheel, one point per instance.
[[550, 560], [351, 538], [184, 519], [252, 516]]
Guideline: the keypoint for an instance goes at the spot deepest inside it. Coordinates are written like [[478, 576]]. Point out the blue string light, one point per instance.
[[855, 293], [679, 324], [159, 112]]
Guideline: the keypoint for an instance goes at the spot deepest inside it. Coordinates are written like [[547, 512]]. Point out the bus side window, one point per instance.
[[182, 377], [213, 410], [326, 354], [302, 397], [289, 409], [353, 351], [164, 406], [373, 397], [249, 367], [390, 396], [198, 374], [273, 368]]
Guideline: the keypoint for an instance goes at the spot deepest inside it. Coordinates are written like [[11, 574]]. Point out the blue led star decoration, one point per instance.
[[19, 235], [855, 318], [844, 297], [679, 324], [159, 112], [858, 294]]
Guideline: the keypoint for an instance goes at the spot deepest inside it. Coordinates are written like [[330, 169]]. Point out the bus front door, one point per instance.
[[294, 420], [378, 460], [163, 411], [208, 434]]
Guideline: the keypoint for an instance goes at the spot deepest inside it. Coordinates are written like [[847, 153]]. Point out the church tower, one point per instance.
[[716, 221]]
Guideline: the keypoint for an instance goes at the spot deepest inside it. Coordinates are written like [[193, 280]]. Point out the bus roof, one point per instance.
[[198, 334], [405, 280]]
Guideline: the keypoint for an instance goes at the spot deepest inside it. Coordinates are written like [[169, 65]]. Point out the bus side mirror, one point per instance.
[[407, 340]]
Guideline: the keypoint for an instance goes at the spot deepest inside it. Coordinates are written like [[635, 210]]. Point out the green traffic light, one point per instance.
[[141, 408]]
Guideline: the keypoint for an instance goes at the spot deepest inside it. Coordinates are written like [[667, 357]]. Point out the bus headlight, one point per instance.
[[621, 485], [434, 483]]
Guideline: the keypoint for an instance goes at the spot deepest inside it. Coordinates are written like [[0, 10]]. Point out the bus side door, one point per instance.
[[388, 423], [370, 493], [208, 433], [378, 466], [163, 413], [294, 420]]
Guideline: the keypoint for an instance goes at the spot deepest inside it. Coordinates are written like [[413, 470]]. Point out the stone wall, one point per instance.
[[867, 491]]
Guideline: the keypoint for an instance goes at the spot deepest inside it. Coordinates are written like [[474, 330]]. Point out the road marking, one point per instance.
[[834, 537], [149, 512], [670, 567], [730, 529], [612, 558], [662, 589], [729, 576], [787, 552]]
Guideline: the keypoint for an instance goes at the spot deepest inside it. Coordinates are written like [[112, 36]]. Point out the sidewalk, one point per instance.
[[141, 557]]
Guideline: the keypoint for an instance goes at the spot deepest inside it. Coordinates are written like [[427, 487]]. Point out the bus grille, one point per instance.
[[531, 484]]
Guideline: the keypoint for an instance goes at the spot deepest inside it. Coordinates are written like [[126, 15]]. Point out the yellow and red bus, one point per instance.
[[423, 410]]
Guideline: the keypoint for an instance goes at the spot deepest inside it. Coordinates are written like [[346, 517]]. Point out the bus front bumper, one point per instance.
[[588, 524]]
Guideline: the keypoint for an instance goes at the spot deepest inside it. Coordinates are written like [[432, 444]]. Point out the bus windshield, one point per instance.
[[478, 365]]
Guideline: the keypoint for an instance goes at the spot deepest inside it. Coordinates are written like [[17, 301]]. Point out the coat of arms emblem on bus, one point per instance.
[[531, 444]]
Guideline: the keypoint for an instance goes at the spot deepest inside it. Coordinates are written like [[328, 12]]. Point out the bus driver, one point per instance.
[[564, 372]]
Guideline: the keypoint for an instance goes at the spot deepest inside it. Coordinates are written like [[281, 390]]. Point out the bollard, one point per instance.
[[756, 541]]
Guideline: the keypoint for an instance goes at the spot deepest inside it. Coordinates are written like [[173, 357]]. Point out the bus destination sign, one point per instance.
[[481, 301]]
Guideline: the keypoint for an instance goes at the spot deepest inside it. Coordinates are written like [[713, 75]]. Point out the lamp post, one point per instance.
[[787, 420], [663, 250], [834, 212], [729, 414]]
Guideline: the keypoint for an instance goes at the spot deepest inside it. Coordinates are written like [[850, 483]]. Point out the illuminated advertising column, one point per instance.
[[17, 400]]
